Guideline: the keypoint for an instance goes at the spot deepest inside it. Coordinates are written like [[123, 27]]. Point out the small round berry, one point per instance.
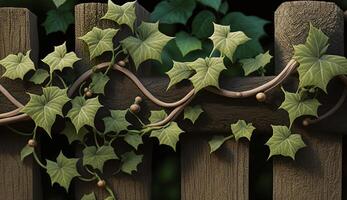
[[306, 122], [86, 89], [101, 183], [312, 90], [32, 143], [238, 94], [261, 97], [135, 108], [89, 93], [126, 60], [121, 63], [138, 100]]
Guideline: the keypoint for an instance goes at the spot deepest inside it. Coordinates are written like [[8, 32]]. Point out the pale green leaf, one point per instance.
[[83, 111], [134, 139], [215, 4], [59, 20], [225, 41], [17, 66], [193, 113], [60, 59], [96, 157], [58, 3], [168, 135], [173, 11], [124, 14], [178, 72], [39, 76], [148, 45], [116, 122], [26, 151], [251, 65], [157, 115], [99, 81], [62, 171], [130, 161], [296, 106], [202, 25], [44, 108], [70, 132], [242, 129], [207, 72], [284, 143], [187, 43], [216, 142], [99, 41], [90, 196], [316, 68]]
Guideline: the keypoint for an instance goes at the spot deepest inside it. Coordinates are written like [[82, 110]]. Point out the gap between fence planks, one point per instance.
[[18, 33]]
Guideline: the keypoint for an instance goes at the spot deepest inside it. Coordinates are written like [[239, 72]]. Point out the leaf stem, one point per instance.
[[95, 138], [138, 118], [62, 80], [34, 152], [19, 132]]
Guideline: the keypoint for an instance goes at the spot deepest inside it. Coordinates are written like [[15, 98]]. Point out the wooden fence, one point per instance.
[[316, 174]]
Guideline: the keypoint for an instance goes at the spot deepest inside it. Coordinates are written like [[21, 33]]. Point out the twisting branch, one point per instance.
[[14, 119], [10, 113], [10, 97]]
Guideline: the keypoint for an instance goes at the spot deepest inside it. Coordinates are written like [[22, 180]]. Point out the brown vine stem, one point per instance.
[[10, 97], [10, 113], [14, 119]]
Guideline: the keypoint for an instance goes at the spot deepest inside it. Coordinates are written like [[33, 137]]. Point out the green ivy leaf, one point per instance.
[[62, 171], [202, 25], [216, 142], [253, 27], [157, 115], [224, 7], [296, 106], [59, 20], [70, 132], [242, 129], [215, 4], [17, 66], [173, 11], [251, 65], [193, 113], [96, 157], [317, 69], [130, 161], [90, 196], [134, 139], [39, 76], [99, 81], [207, 72], [284, 143], [116, 122], [60, 59], [225, 41], [168, 135], [83, 111], [44, 108], [58, 3], [148, 45], [187, 43], [26, 151], [178, 72], [99, 41], [124, 14]]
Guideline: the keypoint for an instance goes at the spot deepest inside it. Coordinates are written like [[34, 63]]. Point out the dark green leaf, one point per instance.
[[224, 7], [116, 122], [58, 20], [202, 25], [134, 139], [187, 43], [96, 157], [99, 81], [70, 132], [173, 11], [130, 161], [215, 4], [26, 151]]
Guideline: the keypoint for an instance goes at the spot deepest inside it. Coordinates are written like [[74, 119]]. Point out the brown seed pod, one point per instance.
[[101, 183], [86, 89], [88, 93], [261, 97], [135, 108], [32, 143], [138, 100], [121, 63]]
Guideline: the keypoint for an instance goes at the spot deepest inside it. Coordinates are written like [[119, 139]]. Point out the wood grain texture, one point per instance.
[[125, 187], [292, 24], [317, 171], [18, 180], [222, 175]]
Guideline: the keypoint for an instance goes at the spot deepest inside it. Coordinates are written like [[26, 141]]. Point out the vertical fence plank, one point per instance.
[[317, 172], [18, 33], [127, 187], [222, 175]]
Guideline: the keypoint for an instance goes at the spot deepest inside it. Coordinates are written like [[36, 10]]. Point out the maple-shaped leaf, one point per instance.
[[17, 66], [133, 138], [296, 106], [187, 43], [70, 132], [26, 151], [90, 196], [62, 171], [217, 141], [173, 11], [60, 59], [96, 157], [168, 135], [157, 115], [124, 14], [178, 72], [316, 68], [193, 113], [251, 65], [284, 143], [99, 81], [148, 45], [130, 161], [207, 72], [225, 41], [99, 41], [39, 76], [44, 108], [116, 122], [59, 20], [83, 111], [242, 129]]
